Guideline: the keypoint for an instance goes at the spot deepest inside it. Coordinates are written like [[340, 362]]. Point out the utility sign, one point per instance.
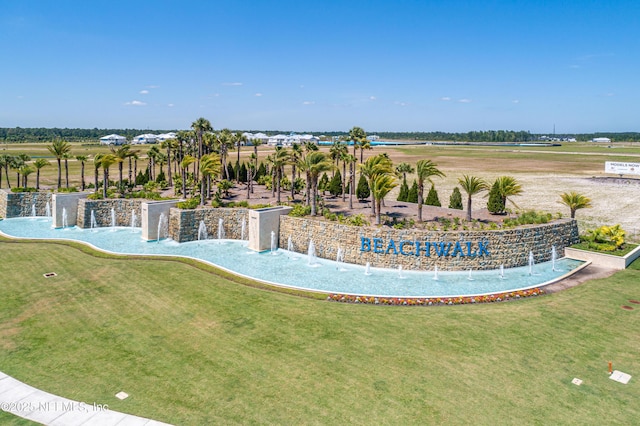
[[622, 168]]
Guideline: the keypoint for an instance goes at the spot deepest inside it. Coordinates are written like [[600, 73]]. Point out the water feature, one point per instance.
[[113, 218], [289, 244], [273, 243], [133, 220], [163, 227], [65, 220], [435, 273], [202, 231], [221, 233], [470, 278], [531, 263], [502, 272], [47, 209], [400, 274], [33, 210], [280, 270], [311, 253], [93, 224], [554, 256], [243, 227]]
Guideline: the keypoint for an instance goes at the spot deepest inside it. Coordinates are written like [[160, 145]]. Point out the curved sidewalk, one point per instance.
[[30, 403]]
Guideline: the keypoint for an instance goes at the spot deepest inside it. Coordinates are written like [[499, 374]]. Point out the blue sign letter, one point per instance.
[[365, 244]]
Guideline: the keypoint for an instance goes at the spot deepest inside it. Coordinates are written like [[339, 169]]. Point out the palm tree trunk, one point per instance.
[[6, 173], [378, 211], [469, 208], [66, 173], [169, 177], [37, 179], [344, 179], [105, 183], [184, 183], [314, 196], [120, 167], [59, 173], [351, 181], [293, 182], [420, 201], [82, 175], [131, 182], [96, 178], [202, 189]]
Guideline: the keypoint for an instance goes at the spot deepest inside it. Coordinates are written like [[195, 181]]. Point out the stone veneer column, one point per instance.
[[261, 223], [68, 202], [151, 212]]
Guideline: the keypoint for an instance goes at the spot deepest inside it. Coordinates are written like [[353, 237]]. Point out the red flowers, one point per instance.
[[431, 301]]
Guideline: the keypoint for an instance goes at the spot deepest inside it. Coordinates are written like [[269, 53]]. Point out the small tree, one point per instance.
[[362, 191], [455, 201], [432, 198], [404, 191], [412, 197], [335, 185], [242, 173], [324, 183], [575, 201], [495, 204]]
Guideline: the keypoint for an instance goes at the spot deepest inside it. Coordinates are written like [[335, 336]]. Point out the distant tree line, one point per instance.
[[41, 134]]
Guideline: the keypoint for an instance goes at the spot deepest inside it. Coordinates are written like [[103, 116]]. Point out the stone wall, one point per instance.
[[183, 224], [102, 211], [20, 204], [450, 251]]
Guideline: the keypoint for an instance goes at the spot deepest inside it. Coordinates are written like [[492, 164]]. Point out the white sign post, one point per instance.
[[622, 168]]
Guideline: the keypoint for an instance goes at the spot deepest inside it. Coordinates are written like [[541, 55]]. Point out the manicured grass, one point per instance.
[[193, 348]]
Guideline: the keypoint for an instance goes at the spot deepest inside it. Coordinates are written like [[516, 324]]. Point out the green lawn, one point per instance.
[[191, 347]]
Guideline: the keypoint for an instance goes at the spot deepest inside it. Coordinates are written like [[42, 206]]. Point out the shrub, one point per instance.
[[605, 238], [455, 201], [191, 203], [413, 193], [432, 198], [300, 210], [323, 183], [362, 190], [357, 220], [22, 189], [495, 204], [404, 191], [335, 185]]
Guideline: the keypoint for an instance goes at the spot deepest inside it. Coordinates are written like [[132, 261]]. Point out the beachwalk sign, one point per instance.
[[425, 248], [621, 168]]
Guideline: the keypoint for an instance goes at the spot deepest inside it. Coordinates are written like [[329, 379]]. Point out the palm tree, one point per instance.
[[209, 167], [403, 169], [38, 164], [278, 160], [357, 135], [372, 168], [170, 145], [58, 149], [382, 185], [315, 163], [66, 157], [508, 187], [575, 201], [351, 160], [335, 152], [472, 185], [364, 144], [96, 167], [425, 169], [25, 171], [201, 126], [256, 143], [184, 164], [122, 153], [5, 163], [106, 161], [224, 141], [239, 139], [153, 154], [82, 159], [295, 157]]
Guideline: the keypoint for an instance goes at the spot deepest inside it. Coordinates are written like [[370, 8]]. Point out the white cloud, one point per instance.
[[136, 103], [609, 94], [400, 103], [144, 92], [516, 101], [464, 101], [152, 87], [170, 105], [445, 98], [232, 84], [308, 103], [372, 98], [258, 94]]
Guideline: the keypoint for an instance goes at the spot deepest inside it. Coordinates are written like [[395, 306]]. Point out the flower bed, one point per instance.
[[435, 301]]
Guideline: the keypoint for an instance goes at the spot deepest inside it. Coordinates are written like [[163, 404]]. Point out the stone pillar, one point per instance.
[[261, 223], [66, 202], [151, 212]]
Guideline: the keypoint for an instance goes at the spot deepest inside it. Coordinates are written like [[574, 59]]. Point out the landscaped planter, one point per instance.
[[603, 259]]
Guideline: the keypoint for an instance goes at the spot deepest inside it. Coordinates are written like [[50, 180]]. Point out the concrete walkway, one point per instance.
[[30, 403]]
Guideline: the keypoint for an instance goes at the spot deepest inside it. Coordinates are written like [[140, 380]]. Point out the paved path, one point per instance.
[[30, 403]]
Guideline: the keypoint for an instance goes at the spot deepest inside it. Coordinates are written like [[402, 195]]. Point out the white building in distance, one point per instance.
[[144, 139], [113, 140], [603, 140]]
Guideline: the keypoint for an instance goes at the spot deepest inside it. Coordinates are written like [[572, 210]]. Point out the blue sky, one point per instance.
[[322, 65]]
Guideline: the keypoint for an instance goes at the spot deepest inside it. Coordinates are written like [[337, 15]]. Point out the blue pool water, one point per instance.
[[292, 269]]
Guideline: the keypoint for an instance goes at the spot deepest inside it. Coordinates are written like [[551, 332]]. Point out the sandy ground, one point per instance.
[[613, 202]]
